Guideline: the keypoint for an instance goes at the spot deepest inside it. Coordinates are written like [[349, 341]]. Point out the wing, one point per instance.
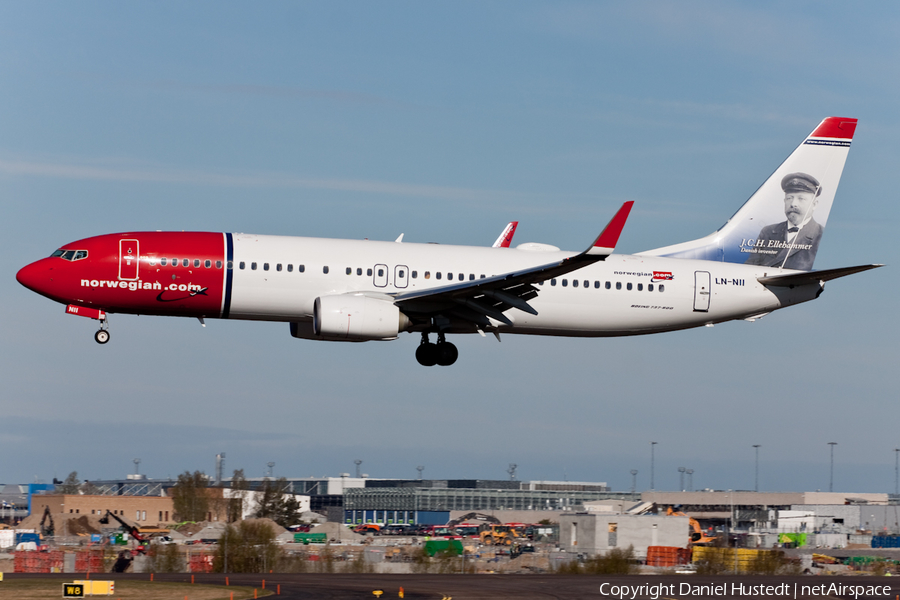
[[481, 300]]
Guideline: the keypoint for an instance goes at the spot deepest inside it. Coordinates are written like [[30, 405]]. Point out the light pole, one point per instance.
[[690, 474], [831, 474], [681, 471], [634, 473], [652, 465], [897, 471], [756, 479]]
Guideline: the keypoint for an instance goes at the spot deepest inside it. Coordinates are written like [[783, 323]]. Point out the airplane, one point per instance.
[[759, 261]]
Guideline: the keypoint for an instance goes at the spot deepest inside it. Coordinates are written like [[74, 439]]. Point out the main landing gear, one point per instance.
[[443, 353]]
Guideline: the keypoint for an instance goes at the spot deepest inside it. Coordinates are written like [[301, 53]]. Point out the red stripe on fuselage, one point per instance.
[[194, 290]]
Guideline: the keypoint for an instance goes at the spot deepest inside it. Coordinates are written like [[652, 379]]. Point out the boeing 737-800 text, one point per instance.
[[360, 290]]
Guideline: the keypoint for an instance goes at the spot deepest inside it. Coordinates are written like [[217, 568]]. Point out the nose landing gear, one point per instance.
[[443, 353], [102, 336]]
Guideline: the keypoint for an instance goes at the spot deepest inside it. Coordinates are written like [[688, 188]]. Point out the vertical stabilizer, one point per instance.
[[782, 224]]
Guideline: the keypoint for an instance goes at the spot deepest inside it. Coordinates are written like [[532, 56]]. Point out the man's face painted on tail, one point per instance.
[[799, 206]]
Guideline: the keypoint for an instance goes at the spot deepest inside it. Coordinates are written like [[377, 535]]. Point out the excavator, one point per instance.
[[123, 561], [491, 532], [47, 527], [697, 537]]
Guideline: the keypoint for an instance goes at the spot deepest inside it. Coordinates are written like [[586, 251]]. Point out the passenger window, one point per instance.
[[349, 271], [608, 285], [587, 283], [414, 274], [381, 272], [253, 266], [184, 262], [437, 275], [400, 274], [449, 276], [207, 264], [471, 276], [290, 268], [597, 285], [325, 270], [640, 287], [462, 277], [242, 265], [618, 285], [163, 261], [552, 282], [196, 262], [574, 283], [482, 276], [229, 265], [218, 264], [265, 266], [174, 262], [278, 267], [565, 282], [629, 286], [427, 275], [649, 287], [369, 272], [301, 268], [358, 271], [662, 288]]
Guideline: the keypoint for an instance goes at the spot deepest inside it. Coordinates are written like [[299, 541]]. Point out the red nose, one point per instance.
[[35, 277]]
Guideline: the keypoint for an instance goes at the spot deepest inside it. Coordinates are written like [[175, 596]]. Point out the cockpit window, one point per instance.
[[70, 254]]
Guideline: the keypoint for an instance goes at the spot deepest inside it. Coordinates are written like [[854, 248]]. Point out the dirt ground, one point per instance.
[[39, 589]]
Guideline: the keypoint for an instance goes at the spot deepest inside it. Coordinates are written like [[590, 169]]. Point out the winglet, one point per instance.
[[606, 241], [506, 236]]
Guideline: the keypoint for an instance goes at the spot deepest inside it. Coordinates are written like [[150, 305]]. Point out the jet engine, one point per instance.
[[354, 317]]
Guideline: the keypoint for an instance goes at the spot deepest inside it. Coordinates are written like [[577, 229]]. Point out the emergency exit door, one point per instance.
[[701, 291], [129, 259]]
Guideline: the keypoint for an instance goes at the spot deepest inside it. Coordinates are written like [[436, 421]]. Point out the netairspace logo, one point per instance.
[[134, 286], [784, 590]]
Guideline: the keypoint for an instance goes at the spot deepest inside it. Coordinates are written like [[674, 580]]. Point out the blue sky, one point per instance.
[[444, 121]]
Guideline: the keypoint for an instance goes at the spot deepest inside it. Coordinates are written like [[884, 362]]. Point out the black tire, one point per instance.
[[427, 354], [102, 336], [447, 354]]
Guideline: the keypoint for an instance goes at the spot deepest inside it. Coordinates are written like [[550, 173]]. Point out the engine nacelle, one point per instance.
[[354, 317]]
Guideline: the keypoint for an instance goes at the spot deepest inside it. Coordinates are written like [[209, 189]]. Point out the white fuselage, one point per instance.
[[623, 295]]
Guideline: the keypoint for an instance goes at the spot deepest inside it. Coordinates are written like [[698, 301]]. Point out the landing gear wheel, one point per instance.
[[427, 354], [447, 354], [102, 336]]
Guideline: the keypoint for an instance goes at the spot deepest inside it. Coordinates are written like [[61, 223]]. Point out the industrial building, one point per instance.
[[594, 533]]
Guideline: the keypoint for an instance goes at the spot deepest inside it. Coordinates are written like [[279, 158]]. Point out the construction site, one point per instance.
[[346, 524]]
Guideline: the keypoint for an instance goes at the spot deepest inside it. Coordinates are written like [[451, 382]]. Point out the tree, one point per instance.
[[277, 503], [89, 489], [239, 488], [248, 547], [190, 499], [70, 485]]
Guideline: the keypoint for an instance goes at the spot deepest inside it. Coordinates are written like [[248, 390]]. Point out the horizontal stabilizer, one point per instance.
[[794, 279]]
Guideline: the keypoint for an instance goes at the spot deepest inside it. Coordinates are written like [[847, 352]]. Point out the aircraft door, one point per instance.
[[701, 291], [129, 259], [401, 276], [380, 275]]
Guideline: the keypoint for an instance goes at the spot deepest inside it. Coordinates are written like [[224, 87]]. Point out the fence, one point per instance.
[[667, 556]]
